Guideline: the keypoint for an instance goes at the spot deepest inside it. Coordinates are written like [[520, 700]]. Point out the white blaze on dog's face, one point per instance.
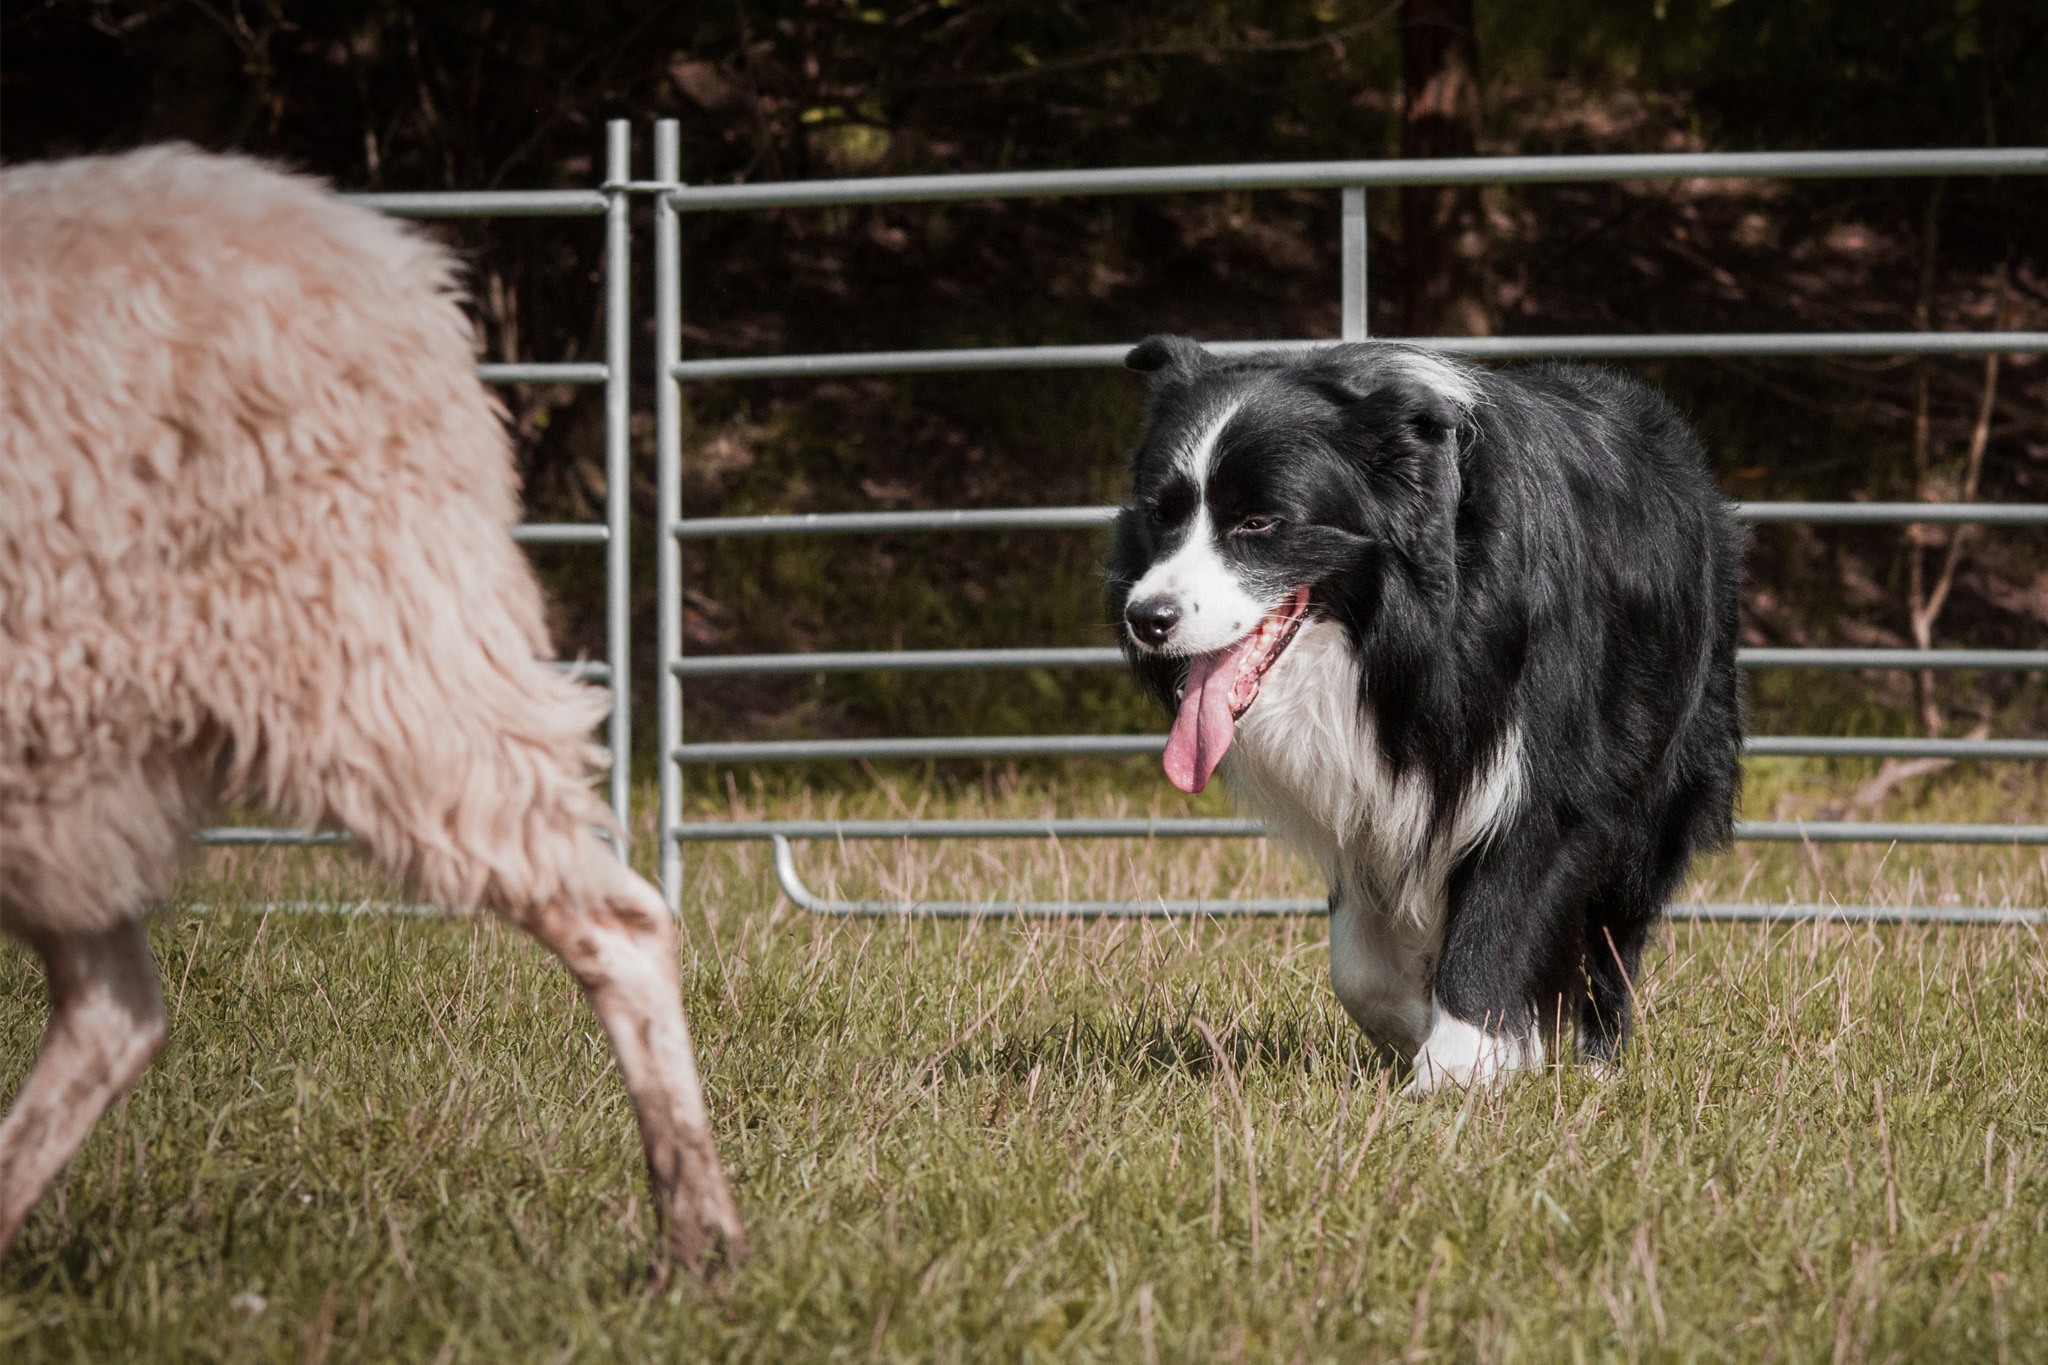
[[1192, 600]]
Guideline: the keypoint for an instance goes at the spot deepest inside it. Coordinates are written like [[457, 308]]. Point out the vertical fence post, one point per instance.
[[618, 397], [1353, 283], [668, 456]]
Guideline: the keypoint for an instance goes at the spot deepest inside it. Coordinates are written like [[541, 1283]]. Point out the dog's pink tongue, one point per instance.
[[1202, 731]]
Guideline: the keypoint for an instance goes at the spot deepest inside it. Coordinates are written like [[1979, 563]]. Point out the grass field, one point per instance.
[[380, 1137]]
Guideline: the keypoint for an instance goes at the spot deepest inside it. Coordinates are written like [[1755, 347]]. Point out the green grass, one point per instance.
[[1006, 1141]]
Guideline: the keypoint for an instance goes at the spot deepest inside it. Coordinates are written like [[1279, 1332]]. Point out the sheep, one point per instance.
[[255, 547]]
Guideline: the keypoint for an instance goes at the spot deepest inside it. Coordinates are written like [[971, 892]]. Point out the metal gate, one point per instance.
[[1350, 180], [673, 199]]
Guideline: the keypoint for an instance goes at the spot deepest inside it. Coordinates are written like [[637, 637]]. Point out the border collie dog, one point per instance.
[[1467, 639]]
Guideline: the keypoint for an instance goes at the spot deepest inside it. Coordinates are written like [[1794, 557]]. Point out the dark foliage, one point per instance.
[[381, 95]]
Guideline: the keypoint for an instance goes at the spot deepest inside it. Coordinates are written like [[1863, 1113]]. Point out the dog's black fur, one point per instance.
[[1541, 548]]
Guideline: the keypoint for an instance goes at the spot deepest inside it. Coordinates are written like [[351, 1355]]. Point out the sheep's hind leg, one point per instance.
[[106, 1023], [622, 950]]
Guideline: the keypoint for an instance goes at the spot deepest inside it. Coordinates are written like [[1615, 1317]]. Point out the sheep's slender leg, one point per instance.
[[622, 951], [106, 1022]]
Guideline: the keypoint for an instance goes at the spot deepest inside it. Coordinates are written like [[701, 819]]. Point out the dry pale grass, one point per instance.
[[376, 1137]]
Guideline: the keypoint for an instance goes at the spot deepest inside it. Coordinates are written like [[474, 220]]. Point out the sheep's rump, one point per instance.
[[254, 545]]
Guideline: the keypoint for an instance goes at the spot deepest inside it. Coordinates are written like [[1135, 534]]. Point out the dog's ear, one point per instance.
[[1162, 351], [1345, 375], [1431, 397], [1341, 388]]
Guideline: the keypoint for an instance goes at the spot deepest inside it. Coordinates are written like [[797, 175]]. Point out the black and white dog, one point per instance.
[[1464, 637]]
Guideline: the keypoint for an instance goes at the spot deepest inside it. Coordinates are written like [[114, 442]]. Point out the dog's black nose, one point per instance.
[[1153, 619]]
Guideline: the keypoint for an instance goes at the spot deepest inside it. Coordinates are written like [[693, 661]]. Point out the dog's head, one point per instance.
[[1260, 480]]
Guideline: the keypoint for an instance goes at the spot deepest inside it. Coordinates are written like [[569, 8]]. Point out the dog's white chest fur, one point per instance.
[[1307, 759]]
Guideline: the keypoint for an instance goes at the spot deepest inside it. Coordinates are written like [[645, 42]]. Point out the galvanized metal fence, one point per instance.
[[608, 201], [674, 200]]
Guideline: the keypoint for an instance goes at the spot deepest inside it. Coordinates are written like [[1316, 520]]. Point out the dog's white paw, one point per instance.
[[1462, 1054]]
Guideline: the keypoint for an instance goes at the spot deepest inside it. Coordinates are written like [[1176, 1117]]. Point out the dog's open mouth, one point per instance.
[[1221, 687]]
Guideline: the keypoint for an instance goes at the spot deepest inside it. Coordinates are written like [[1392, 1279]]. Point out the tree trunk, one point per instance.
[[1443, 228]]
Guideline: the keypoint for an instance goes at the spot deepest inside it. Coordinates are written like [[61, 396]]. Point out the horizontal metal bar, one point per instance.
[[843, 523], [1757, 912], [586, 670], [1874, 832], [483, 203], [270, 837], [719, 831], [1892, 658], [1346, 174], [1597, 346], [409, 909], [964, 746], [1762, 831], [906, 362], [1896, 513], [572, 372], [1040, 746], [1830, 746], [1742, 343], [561, 533], [713, 665], [1082, 518], [1752, 912], [725, 665]]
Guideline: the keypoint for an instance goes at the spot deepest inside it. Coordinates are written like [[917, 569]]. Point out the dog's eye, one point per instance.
[[1173, 503], [1255, 526]]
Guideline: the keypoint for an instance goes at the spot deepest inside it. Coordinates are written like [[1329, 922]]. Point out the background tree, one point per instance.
[[1443, 227], [514, 92]]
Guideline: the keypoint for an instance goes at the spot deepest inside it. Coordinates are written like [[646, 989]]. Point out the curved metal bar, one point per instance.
[[793, 886]]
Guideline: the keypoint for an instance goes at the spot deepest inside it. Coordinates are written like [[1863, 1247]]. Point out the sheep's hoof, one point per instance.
[[702, 1233]]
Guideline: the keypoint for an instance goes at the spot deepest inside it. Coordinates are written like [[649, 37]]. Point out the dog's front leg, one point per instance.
[[1380, 968], [1498, 979]]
